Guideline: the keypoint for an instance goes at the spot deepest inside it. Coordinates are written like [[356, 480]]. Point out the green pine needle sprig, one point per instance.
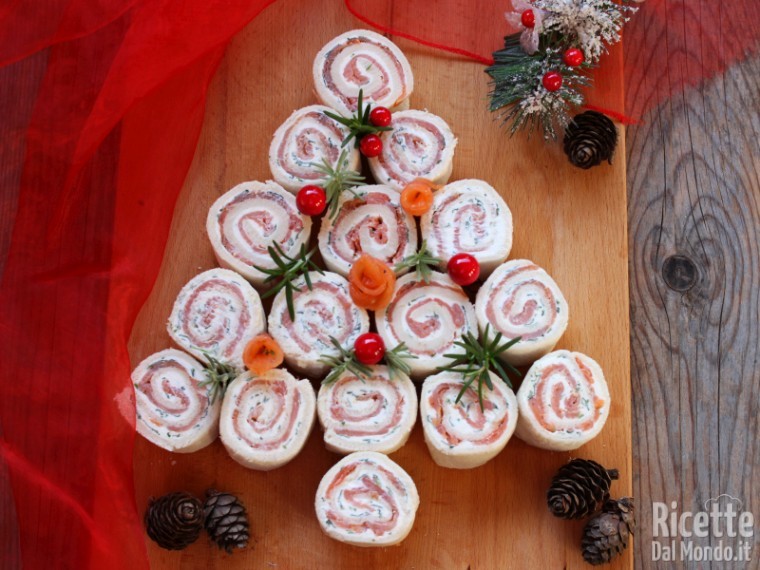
[[337, 179], [396, 360], [345, 361], [358, 124], [422, 261], [218, 376]]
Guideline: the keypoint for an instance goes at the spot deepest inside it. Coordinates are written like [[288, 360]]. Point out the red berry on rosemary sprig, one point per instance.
[[371, 146], [369, 348], [573, 57], [311, 200], [463, 269], [528, 19], [552, 81], [380, 117], [360, 125]]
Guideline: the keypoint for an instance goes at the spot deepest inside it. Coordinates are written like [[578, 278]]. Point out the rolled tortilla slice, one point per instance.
[[520, 299], [216, 314], [173, 410], [469, 216], [320, 313], [421, 145], [248, 219], [373, 223], [305, 139], [429, 318], [367, 414], [367, 500], [461, 435], [361, 59], [266, 419], [564, 401]]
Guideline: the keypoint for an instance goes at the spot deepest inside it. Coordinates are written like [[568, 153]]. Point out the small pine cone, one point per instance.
[[226, 520], [174, 521], [590, 138], [608, 533], [579, 489]]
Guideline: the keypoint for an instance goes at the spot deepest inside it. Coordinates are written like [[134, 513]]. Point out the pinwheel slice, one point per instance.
[[564, 401], [173, 410], [320, 313], [248, 219], [367, 500], [266, 419], [469, 216], [429, 318], [216, 313], [520, 299], [367, 414], [462, 435], [361, 59], [421, 145], [306, 139], [370, 222]]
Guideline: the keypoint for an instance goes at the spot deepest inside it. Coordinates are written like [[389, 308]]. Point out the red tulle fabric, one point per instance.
[[106, 145]]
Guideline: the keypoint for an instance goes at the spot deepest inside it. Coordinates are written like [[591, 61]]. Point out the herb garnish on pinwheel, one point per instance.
[[422, 262], [286, 271], [346, 361], [359, 124], [218, 375], [477, 361], [337, 179]]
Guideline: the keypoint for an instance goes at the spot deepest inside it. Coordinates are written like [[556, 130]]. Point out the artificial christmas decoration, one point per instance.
[[607, 534], [590, 138], [579, 489], [174, 521], [226, 520]]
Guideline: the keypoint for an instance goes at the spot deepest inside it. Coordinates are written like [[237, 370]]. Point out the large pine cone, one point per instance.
[[579, 489], [590, 138], [226, 520], [608, 533], [174, 521]]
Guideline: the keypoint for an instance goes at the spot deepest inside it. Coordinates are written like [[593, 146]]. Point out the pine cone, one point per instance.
[[579, 489], [607, 534], [226, 520], [174, 521], [589, 139]]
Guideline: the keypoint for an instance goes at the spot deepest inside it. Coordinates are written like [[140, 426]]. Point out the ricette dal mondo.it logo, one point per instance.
[[723, 531]]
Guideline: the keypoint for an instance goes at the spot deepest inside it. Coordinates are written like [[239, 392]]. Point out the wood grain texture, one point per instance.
[[694, 219], [571, 222]]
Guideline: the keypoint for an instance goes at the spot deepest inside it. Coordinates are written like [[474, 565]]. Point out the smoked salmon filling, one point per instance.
[[306, 140], [520, 299], [266, 419], [173, 409], [367, 500], [367, 414], [421, 145], [250, 218], [564, 401], [361, 59], [216, 313]]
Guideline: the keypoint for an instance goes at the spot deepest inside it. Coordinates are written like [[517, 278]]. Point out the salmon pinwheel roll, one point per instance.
[[216, 313], [304, 142], [564, 402], [266, 419], [250, 218], [364, 60], [367, 500], [469, 216], [173, 410], [371, 222], [324, 311], [367, 414], [429, 318], [520, 299], [421, 145], [462, 435]]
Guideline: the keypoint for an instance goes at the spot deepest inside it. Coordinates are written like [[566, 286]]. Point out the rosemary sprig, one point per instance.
[[396, 360], [358, 124], [337, 179], [286, 270], [422, 261], [218, 376], [477, 361], [344, 362]]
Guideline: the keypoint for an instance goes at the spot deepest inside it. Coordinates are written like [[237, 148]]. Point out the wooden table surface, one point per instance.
[[694, 229]]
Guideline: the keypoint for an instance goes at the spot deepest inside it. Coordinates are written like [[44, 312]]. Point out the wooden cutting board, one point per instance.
[[571, 222]]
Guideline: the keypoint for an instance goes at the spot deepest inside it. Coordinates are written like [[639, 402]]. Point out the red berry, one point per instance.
[[552, 80], [528, 19], [573, 57], [380, 117], [371, 146], [463, 269], [311, 200], [369, 348]]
